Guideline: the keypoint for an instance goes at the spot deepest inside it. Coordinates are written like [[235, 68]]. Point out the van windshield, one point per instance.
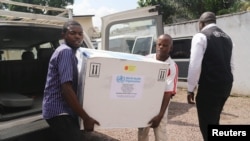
[[123, 35], [122, 44], [143, 45]]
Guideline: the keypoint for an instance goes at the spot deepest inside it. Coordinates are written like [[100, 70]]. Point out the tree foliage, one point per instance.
[[167, 9], [50, 3], [181, 10]]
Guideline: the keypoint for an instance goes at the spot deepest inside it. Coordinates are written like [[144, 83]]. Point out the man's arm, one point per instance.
[[71, 98], [198, 47], [157, 119], [170, 90]]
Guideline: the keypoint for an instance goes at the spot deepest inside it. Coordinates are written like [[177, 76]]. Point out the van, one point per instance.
[[25, 50]]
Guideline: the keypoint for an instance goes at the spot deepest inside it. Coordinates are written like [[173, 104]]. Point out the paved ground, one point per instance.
[[183, 122]]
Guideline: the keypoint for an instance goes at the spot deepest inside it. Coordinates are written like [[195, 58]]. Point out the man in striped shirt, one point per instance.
[[159, 122], [61, 107]]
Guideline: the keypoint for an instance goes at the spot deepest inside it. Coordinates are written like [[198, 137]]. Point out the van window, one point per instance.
[[181, 49], [15, 54], [181, 54], [122, 35], [121, 44], [143, 45]]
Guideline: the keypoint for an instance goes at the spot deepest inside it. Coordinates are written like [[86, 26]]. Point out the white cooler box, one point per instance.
[[120, 90]]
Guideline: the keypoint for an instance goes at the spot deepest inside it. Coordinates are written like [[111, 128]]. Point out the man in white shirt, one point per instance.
[[210, 70], [159, 122]]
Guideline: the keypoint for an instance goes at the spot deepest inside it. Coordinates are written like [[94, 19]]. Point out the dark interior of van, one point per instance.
[[23, 74]]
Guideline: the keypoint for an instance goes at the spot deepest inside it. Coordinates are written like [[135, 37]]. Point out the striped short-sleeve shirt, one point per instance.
[[62, 68]]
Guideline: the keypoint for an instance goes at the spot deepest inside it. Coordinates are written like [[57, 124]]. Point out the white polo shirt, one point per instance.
[[172, 76]]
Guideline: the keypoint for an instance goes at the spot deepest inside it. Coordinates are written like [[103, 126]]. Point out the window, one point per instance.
[[121, 43], [181, 55], [181, 49], [143, 45], [14, 54], [122, 36]]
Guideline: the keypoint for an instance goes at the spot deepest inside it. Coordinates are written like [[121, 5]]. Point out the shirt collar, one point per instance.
[[208, 26]]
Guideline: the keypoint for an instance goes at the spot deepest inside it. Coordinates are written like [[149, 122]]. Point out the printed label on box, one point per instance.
[[126, 86]]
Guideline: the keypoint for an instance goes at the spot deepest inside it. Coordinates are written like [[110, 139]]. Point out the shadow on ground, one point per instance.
[[177, 109]]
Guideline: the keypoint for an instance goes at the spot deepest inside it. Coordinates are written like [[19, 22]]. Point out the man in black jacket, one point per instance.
[[210, 69]]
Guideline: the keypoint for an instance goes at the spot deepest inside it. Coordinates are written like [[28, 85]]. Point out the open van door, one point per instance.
[[146, 21]]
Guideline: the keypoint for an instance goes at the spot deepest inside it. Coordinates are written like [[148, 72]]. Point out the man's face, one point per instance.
[[74, 36], [163, 47]]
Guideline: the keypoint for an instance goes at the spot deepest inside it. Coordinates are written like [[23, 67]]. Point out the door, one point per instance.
[[130, 25]]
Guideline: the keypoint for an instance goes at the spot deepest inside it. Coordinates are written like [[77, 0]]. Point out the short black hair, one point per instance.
[[208, 17], [167, 36], [69, 23]]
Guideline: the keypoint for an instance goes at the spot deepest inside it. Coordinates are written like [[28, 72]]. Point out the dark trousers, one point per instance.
[[67, 128], [210, 101]]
